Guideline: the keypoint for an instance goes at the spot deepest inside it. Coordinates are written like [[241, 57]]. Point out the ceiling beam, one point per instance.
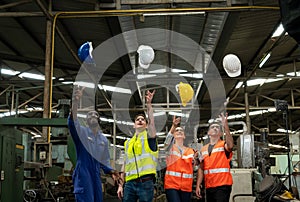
[[167, 1]]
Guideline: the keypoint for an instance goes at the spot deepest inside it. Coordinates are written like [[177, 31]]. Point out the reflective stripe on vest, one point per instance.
[[220, 149], [216, 166], [134, 172], [139, 157], [142, 161], [176, 153], [178, 174], [216, 170]]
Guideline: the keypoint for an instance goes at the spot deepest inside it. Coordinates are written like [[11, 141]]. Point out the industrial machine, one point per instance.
[[11, 164]]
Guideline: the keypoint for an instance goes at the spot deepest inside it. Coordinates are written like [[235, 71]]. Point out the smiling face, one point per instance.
[[214, 129], [92, 118], [140, 122], [179, 133]]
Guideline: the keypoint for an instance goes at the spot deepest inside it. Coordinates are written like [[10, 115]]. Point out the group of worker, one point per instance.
[[137, 177]]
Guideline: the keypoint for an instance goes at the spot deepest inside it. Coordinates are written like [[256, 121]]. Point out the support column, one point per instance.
[[48, 80], [248, 120]]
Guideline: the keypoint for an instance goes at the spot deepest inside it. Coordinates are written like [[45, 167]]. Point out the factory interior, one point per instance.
[[41, 65]]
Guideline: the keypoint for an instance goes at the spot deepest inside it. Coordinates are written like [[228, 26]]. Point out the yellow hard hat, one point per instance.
[[185, 91]]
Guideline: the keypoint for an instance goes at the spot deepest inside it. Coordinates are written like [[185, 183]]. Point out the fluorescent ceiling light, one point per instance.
[[239, 84], [158, 71], [108, 120], [260, 82], [193, 75], [237, 132], [84, 84], [117, 136], [178, 114], [281, 130], [11, 113], [161, 145], [252, 113], [24, 74], [161, 113], [273, 80], [160, 133], [278, 31], [264, 59], [115, 89], [34, 109], [178, 70], [119, 146], [293, 74], [9, 72], [277, 146], [144, 76], [67, 82], [32, 76]]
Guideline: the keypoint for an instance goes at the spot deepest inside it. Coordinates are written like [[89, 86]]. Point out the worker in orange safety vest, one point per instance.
[[215, 166], [179, 173]]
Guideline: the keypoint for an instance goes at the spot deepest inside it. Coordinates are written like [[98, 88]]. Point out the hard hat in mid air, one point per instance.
[[186, 92], [232, 65], [146, 56]]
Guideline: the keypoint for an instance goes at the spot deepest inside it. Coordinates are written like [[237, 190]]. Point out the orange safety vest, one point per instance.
[[216, 166], [179, 173]]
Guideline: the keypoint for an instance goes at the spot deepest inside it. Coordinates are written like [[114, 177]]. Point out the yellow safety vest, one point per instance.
[[140, 159]]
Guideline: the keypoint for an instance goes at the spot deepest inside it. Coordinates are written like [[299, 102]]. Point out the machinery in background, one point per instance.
[[11, 164], [257, 182], [48, 167], [49, 175]]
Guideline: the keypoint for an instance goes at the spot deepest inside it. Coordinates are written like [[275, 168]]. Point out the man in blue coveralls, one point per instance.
[[92, 155]]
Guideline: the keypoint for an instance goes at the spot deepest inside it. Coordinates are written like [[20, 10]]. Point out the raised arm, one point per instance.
[[228, 137], [175, 124], [73, 125], [169, 138], [151, 124], [75, 100]]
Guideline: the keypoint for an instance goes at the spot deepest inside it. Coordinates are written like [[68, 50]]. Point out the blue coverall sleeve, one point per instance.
[[105, 168], [73, 129], [105, 164]]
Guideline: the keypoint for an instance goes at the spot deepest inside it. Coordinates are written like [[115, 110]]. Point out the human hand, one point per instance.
[[120, 192], [176, 121], [198, 192], [223, 118], [149, 96], [116, 176], [78, 93]]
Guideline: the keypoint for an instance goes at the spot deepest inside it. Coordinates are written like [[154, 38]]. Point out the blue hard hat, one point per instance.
[[85, 52]]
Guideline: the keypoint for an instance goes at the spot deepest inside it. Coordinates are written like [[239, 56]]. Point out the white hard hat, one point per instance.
[[232, 65], [146, 56]]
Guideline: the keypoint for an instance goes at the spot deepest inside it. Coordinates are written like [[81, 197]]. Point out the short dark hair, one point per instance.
[[141, 114], [216, 122]]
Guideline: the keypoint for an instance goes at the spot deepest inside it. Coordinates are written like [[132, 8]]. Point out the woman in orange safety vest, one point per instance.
[[179, 174]]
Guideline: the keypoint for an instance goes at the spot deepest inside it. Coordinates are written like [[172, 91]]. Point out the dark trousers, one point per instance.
[[174, 195], [218, 194]]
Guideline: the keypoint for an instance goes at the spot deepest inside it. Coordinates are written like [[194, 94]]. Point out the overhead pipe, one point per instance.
[[21, 14], [133, 12], [5, 6]]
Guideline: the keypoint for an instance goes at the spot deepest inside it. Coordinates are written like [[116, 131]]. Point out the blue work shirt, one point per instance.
[[92, 155]]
